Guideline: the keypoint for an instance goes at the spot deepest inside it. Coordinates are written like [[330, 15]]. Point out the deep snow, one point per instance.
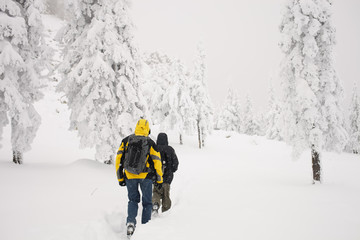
[[237, 187]]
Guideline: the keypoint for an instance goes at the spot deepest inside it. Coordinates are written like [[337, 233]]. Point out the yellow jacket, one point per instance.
[[141, 129]]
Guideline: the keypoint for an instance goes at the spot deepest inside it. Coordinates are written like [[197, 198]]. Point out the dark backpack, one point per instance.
[[136, 154]]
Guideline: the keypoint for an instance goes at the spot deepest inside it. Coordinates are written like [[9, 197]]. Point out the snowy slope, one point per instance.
[[237, 187], [256, 192]]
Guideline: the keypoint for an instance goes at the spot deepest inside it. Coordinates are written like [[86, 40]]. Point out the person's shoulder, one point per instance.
[[152, 144], [171, 148], [126, 139]]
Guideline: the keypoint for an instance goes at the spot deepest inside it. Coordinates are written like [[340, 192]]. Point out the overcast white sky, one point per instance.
[[240, 39]]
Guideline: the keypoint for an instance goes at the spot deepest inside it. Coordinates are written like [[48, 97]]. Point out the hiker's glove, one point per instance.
[[158, 185], [122, 183]]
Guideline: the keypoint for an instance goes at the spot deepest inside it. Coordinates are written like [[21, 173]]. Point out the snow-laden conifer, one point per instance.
[[156, 83], [354, 124], [230, 115], [273, 117], [168, 94], [250, 125], [261, 124], [201, 97], [216, 118], [101, 74], [312, 91], [182, 110], [22, 58]]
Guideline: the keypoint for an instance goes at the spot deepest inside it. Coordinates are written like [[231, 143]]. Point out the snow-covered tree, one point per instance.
[[156, 84], [312, 91], [261, 124], [182, 110], [354, 128], [250, 125], [216, 118], [168, 94], [22, 58], [273, 117], [101, 70], [201, 98], [230, 116]]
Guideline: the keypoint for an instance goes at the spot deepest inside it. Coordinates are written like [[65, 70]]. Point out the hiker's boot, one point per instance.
[[155, 208], [130, 229]]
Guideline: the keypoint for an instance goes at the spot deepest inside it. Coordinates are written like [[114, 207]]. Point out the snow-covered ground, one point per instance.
[[237, 187]]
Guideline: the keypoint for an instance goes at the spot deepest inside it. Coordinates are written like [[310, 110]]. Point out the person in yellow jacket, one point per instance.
[[129, 176]]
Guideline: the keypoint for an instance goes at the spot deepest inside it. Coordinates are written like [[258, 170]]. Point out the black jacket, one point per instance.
[[168, 157]]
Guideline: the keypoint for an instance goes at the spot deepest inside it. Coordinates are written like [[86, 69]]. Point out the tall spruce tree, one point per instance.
[[101, 74], [261, 122], [273, 117], [22, 58], [230, 116], [201, 98], [250, 125], [168, 94], [312, 91], [156, 84], [182, 113], [354, 128]]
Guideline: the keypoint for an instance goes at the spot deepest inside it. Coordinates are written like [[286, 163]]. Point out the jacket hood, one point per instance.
[[142, 127], [162, 139]]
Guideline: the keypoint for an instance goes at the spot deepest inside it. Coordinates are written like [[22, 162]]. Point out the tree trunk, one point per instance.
[[316, 165], [20, 157], [181, 141], [14, 157], [199, 133], [202, 139], [109, 161], [17, 157]]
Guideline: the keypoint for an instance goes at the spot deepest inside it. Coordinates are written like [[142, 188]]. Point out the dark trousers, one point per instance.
[[162, 197], [134, 199]]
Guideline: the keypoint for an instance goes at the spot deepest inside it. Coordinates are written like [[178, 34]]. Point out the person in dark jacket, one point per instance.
[[161, 193]]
